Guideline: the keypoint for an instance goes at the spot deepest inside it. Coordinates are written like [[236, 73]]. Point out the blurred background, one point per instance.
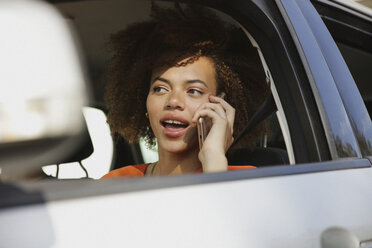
[[367, 3]]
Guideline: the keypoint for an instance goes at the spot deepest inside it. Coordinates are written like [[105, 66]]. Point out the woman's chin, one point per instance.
[[178, 146], [182, 144]]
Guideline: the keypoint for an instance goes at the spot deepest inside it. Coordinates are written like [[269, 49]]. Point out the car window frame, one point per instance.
[[358, 26], [269, 30], [342, 129]]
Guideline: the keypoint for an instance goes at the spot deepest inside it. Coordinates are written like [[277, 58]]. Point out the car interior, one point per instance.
[[94, 22]]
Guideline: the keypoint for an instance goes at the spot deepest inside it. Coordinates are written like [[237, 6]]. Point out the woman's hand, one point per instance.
[[219, 139]]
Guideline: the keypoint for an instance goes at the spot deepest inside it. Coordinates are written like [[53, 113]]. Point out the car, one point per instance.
[[312, 187]]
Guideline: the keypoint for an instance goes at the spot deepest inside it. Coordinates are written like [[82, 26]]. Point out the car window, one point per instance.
[[93, 29], [295, 132], [359, 63], [99, 162], [351, 30]]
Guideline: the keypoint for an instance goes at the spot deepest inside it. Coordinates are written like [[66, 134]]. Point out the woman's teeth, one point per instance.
[[173, 123]]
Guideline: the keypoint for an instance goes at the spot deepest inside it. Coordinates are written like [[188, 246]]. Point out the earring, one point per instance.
[[147, 115]]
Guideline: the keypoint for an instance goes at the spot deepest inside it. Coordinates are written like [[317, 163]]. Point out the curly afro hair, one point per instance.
[[174, 35]]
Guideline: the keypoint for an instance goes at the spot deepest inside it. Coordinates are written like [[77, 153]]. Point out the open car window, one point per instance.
[[94, 22], [301, 127]]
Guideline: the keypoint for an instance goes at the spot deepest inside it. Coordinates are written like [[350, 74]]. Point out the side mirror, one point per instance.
[[42, 87]]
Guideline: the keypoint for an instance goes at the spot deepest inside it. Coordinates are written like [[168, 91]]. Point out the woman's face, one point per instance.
[[175, 94]]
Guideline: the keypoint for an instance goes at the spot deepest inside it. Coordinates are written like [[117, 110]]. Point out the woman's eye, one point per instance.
[[195, 92], [159, 89]]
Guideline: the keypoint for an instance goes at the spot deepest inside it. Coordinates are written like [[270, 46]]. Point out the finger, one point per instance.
[[224, 104], [230, 111], [215, 107], [207, 113]]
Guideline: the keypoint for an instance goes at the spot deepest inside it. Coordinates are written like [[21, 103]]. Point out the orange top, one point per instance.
[[140, 169]]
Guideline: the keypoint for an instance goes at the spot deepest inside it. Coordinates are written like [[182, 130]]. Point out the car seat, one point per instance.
[[259, 156]]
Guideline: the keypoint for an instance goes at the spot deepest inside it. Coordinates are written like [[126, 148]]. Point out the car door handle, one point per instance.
[[366, 244], [338, 237]]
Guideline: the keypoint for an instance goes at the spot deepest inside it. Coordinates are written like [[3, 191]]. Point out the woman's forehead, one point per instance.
[[201, 66]]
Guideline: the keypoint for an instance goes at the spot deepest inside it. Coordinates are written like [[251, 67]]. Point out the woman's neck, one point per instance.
[[176, 164]]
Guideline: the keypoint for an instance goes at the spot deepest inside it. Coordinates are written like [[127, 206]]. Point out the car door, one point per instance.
[[322, 196]]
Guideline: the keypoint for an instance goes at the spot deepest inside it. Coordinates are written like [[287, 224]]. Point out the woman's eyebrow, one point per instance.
[[191, 81], [160, 79]]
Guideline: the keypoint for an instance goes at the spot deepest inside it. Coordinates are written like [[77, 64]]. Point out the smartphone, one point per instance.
[[204, 125]]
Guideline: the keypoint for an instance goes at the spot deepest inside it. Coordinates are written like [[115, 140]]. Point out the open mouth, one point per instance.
[[174, 124]]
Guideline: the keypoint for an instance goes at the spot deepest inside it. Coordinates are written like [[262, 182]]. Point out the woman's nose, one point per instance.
[[175, 101]]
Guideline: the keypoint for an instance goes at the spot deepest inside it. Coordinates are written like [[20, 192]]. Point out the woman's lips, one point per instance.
[[174, 132]]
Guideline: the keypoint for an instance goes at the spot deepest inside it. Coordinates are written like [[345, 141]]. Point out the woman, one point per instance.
[[168, 72]]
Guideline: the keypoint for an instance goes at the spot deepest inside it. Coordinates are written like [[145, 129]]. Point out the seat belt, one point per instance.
[[266, 109]]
